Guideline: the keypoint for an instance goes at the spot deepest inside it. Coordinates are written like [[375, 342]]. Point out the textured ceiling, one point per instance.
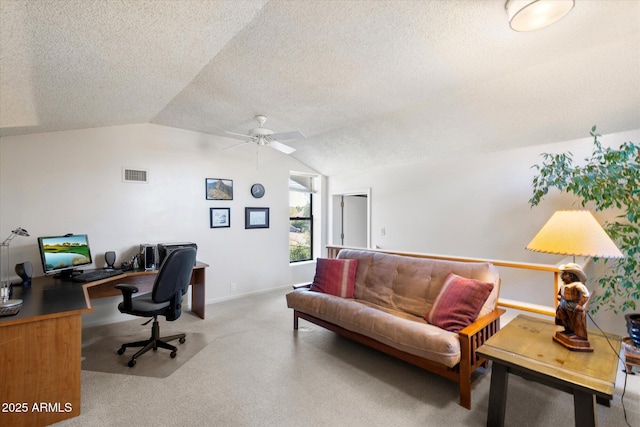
[[379, 82]]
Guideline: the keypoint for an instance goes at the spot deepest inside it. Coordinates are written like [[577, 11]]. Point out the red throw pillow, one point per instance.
[[458, 303], [335, 276]]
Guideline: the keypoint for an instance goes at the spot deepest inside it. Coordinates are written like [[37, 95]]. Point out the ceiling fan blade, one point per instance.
[[289, 135], [236, 145], [281, 147], [238, 135]]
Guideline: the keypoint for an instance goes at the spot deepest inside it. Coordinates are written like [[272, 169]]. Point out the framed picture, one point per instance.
[[256, 217], [219, 189], [220, 217]]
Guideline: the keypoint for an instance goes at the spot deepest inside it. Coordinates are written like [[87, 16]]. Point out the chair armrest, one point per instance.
[[127, 291]]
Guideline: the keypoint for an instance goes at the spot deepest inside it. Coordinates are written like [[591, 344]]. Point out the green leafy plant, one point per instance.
[[610, 180]]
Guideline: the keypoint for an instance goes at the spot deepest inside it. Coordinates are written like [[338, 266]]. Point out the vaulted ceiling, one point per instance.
[[370, 83]]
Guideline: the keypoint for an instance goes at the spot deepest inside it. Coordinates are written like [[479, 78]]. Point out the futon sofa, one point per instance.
[[430, 312]]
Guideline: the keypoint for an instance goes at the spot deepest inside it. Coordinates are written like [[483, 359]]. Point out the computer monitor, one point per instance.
[[62, 254]]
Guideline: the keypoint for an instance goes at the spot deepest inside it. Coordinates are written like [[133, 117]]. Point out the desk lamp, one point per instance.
[[8, 306], [575, 233]]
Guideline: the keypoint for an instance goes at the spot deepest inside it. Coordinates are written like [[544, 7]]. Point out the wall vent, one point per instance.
[[135, 175]]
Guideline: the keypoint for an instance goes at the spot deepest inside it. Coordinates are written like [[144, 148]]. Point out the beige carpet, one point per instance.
[[258, 371], [99, 354]]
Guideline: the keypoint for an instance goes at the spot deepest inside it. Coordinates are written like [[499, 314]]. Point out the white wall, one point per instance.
[[70, 182], [475, 207]]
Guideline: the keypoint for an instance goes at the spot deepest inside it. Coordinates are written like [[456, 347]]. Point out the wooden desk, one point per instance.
[[41, 346], [525, 347], [40, 355]]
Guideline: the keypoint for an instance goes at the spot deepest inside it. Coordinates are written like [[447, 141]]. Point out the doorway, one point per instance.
[[351, 219]]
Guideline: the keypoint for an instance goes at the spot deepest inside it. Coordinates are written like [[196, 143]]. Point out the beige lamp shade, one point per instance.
[[575, 233]]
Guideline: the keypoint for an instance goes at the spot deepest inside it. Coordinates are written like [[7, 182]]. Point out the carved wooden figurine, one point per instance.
[[571, 312]]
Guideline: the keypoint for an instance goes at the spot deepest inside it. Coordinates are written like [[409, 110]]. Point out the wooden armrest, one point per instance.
[[482, 322], [127, 291]]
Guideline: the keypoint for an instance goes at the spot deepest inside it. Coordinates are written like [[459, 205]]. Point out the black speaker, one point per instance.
[[110, 258], [25, 271]]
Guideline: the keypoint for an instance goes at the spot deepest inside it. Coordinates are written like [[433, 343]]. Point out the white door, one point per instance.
[[351, 220]]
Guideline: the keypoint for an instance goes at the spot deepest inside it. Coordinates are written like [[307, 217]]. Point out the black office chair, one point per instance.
[[165, 300]]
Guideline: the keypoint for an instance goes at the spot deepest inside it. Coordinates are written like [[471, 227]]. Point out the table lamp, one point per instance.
[[575, 233], [8, 306]]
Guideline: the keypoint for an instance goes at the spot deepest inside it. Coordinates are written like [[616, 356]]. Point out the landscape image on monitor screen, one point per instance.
[[62, 252]]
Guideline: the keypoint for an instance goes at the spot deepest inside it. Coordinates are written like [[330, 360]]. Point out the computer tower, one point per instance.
[[165, 249], [147, 256]]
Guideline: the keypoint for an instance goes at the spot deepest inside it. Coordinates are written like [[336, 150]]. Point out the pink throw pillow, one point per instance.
[[335, 276], [458, 303]]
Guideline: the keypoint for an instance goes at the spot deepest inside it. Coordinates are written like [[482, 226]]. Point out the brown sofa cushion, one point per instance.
[[397, 329], [412, 284]]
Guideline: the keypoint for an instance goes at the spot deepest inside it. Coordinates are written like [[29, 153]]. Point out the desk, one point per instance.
[[41, 346], [525, 347]]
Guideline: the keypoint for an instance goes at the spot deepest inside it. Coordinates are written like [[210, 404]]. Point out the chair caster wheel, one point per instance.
[[182, 340], [121, 350], [132, 363], [173, 354]]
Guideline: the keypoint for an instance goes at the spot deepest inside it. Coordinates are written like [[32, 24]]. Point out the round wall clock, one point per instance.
[[257, 190]]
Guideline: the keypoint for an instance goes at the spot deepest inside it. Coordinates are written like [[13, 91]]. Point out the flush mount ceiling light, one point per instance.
[[529, 15]]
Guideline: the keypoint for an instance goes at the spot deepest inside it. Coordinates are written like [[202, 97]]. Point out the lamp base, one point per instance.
[[10, 307], [572, 341]]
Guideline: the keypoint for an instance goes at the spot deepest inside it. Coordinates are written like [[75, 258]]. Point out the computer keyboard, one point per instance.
[[93, 275]]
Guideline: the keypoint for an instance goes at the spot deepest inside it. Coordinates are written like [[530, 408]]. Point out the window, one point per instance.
[[300, 218]]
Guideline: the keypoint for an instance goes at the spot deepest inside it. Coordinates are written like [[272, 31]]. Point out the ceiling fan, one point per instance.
[[264, 136]]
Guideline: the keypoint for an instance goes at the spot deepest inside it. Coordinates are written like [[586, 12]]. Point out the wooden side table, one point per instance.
[[525, 347]]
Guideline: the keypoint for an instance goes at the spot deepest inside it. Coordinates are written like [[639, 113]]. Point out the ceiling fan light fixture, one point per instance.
[[260, 132], [530, 15]]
